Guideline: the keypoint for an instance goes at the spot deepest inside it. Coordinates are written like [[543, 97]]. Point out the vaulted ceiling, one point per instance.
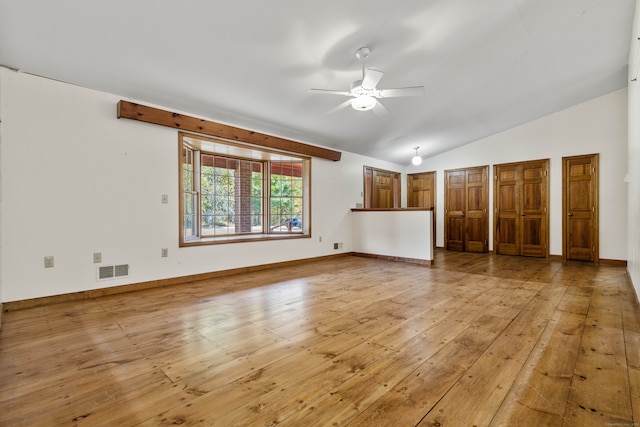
[[486, 66]]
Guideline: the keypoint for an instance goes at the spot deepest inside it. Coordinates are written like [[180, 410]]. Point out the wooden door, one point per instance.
[[421, 189], [534, 213], [455, 208], [506, 202], [580, 207], [382, 189], [466, 194], [521, 211], [477, 194], [421, 193]]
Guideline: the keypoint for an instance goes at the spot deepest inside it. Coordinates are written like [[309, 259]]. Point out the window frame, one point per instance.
[[203, 145]]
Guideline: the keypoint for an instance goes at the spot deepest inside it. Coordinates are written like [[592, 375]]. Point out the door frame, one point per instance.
[[595, 159], [370, 200], [485, 195], [435, 197], [545, 214]]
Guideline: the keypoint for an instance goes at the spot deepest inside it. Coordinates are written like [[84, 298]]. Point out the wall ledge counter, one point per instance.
[[389, 209], [394, 233]]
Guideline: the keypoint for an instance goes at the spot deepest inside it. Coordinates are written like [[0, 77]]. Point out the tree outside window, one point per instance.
[[231, 198]]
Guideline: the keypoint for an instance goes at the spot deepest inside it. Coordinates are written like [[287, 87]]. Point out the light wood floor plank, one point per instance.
[[600, 386], [476, 397], [540, 391], [475, 339]]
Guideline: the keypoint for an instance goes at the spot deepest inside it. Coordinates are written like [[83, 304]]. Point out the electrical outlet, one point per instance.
[[48, 262], [165, 252], [320, 239], [97, 257], [165, 199], [336, 245]]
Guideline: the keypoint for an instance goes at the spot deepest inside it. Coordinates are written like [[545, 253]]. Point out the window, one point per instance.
[[233, 192]]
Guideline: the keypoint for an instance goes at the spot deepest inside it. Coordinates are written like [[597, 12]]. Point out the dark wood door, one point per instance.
[[521, 208], [421, 188], [455, 210], [506, 201], [534, 214], [466, 194], [383, 188], [580, 207], [476, 217], [421, 193]]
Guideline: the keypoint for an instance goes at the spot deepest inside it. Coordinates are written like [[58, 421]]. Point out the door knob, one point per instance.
[[462, 214], [522, 214], [570, 213]]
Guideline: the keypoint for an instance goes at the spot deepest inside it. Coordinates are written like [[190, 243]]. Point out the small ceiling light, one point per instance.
[[363, 103], [416, 160]]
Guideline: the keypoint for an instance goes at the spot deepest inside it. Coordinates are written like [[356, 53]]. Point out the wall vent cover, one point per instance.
[[107, 272]]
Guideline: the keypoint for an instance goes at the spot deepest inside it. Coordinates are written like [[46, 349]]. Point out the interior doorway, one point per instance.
[[466, 202], [381, 188], [580, 223], [521, 208], [421, 193]]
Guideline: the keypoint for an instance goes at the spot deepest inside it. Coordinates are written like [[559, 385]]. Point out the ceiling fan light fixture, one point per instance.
[[416, 160], [364, 93], [363, 103]]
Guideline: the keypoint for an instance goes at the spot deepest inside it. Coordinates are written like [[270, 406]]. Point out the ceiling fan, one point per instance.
[[364, 93]]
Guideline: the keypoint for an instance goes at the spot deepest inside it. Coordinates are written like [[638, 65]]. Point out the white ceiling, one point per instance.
[[486, 65]]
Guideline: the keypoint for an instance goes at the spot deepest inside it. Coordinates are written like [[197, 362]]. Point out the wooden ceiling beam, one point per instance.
[[143, 113]]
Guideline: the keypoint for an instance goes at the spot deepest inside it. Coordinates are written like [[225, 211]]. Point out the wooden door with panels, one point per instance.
[[421, 193], [580, 228], [466, 202], [421, 190], [521, 208], [381, 188]]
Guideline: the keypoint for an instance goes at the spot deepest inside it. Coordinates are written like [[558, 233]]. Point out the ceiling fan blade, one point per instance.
[[345, 104], [403, 91], [329, 92], [371, 79], [379, 109]]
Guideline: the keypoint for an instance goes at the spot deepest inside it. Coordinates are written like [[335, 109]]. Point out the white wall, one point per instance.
[[633, 170], [596, 126], [76, 180], [1, 185], [404, 234]]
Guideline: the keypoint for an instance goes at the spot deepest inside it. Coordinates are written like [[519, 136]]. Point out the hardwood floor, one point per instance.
[[476, 339]]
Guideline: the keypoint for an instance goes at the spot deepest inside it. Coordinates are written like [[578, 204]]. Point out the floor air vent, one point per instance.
[[113, 271]]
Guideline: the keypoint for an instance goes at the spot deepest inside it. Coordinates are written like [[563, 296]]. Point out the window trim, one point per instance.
[[243, 151]]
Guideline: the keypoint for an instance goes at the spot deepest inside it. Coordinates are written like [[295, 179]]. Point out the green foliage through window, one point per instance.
[[227, 196]]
